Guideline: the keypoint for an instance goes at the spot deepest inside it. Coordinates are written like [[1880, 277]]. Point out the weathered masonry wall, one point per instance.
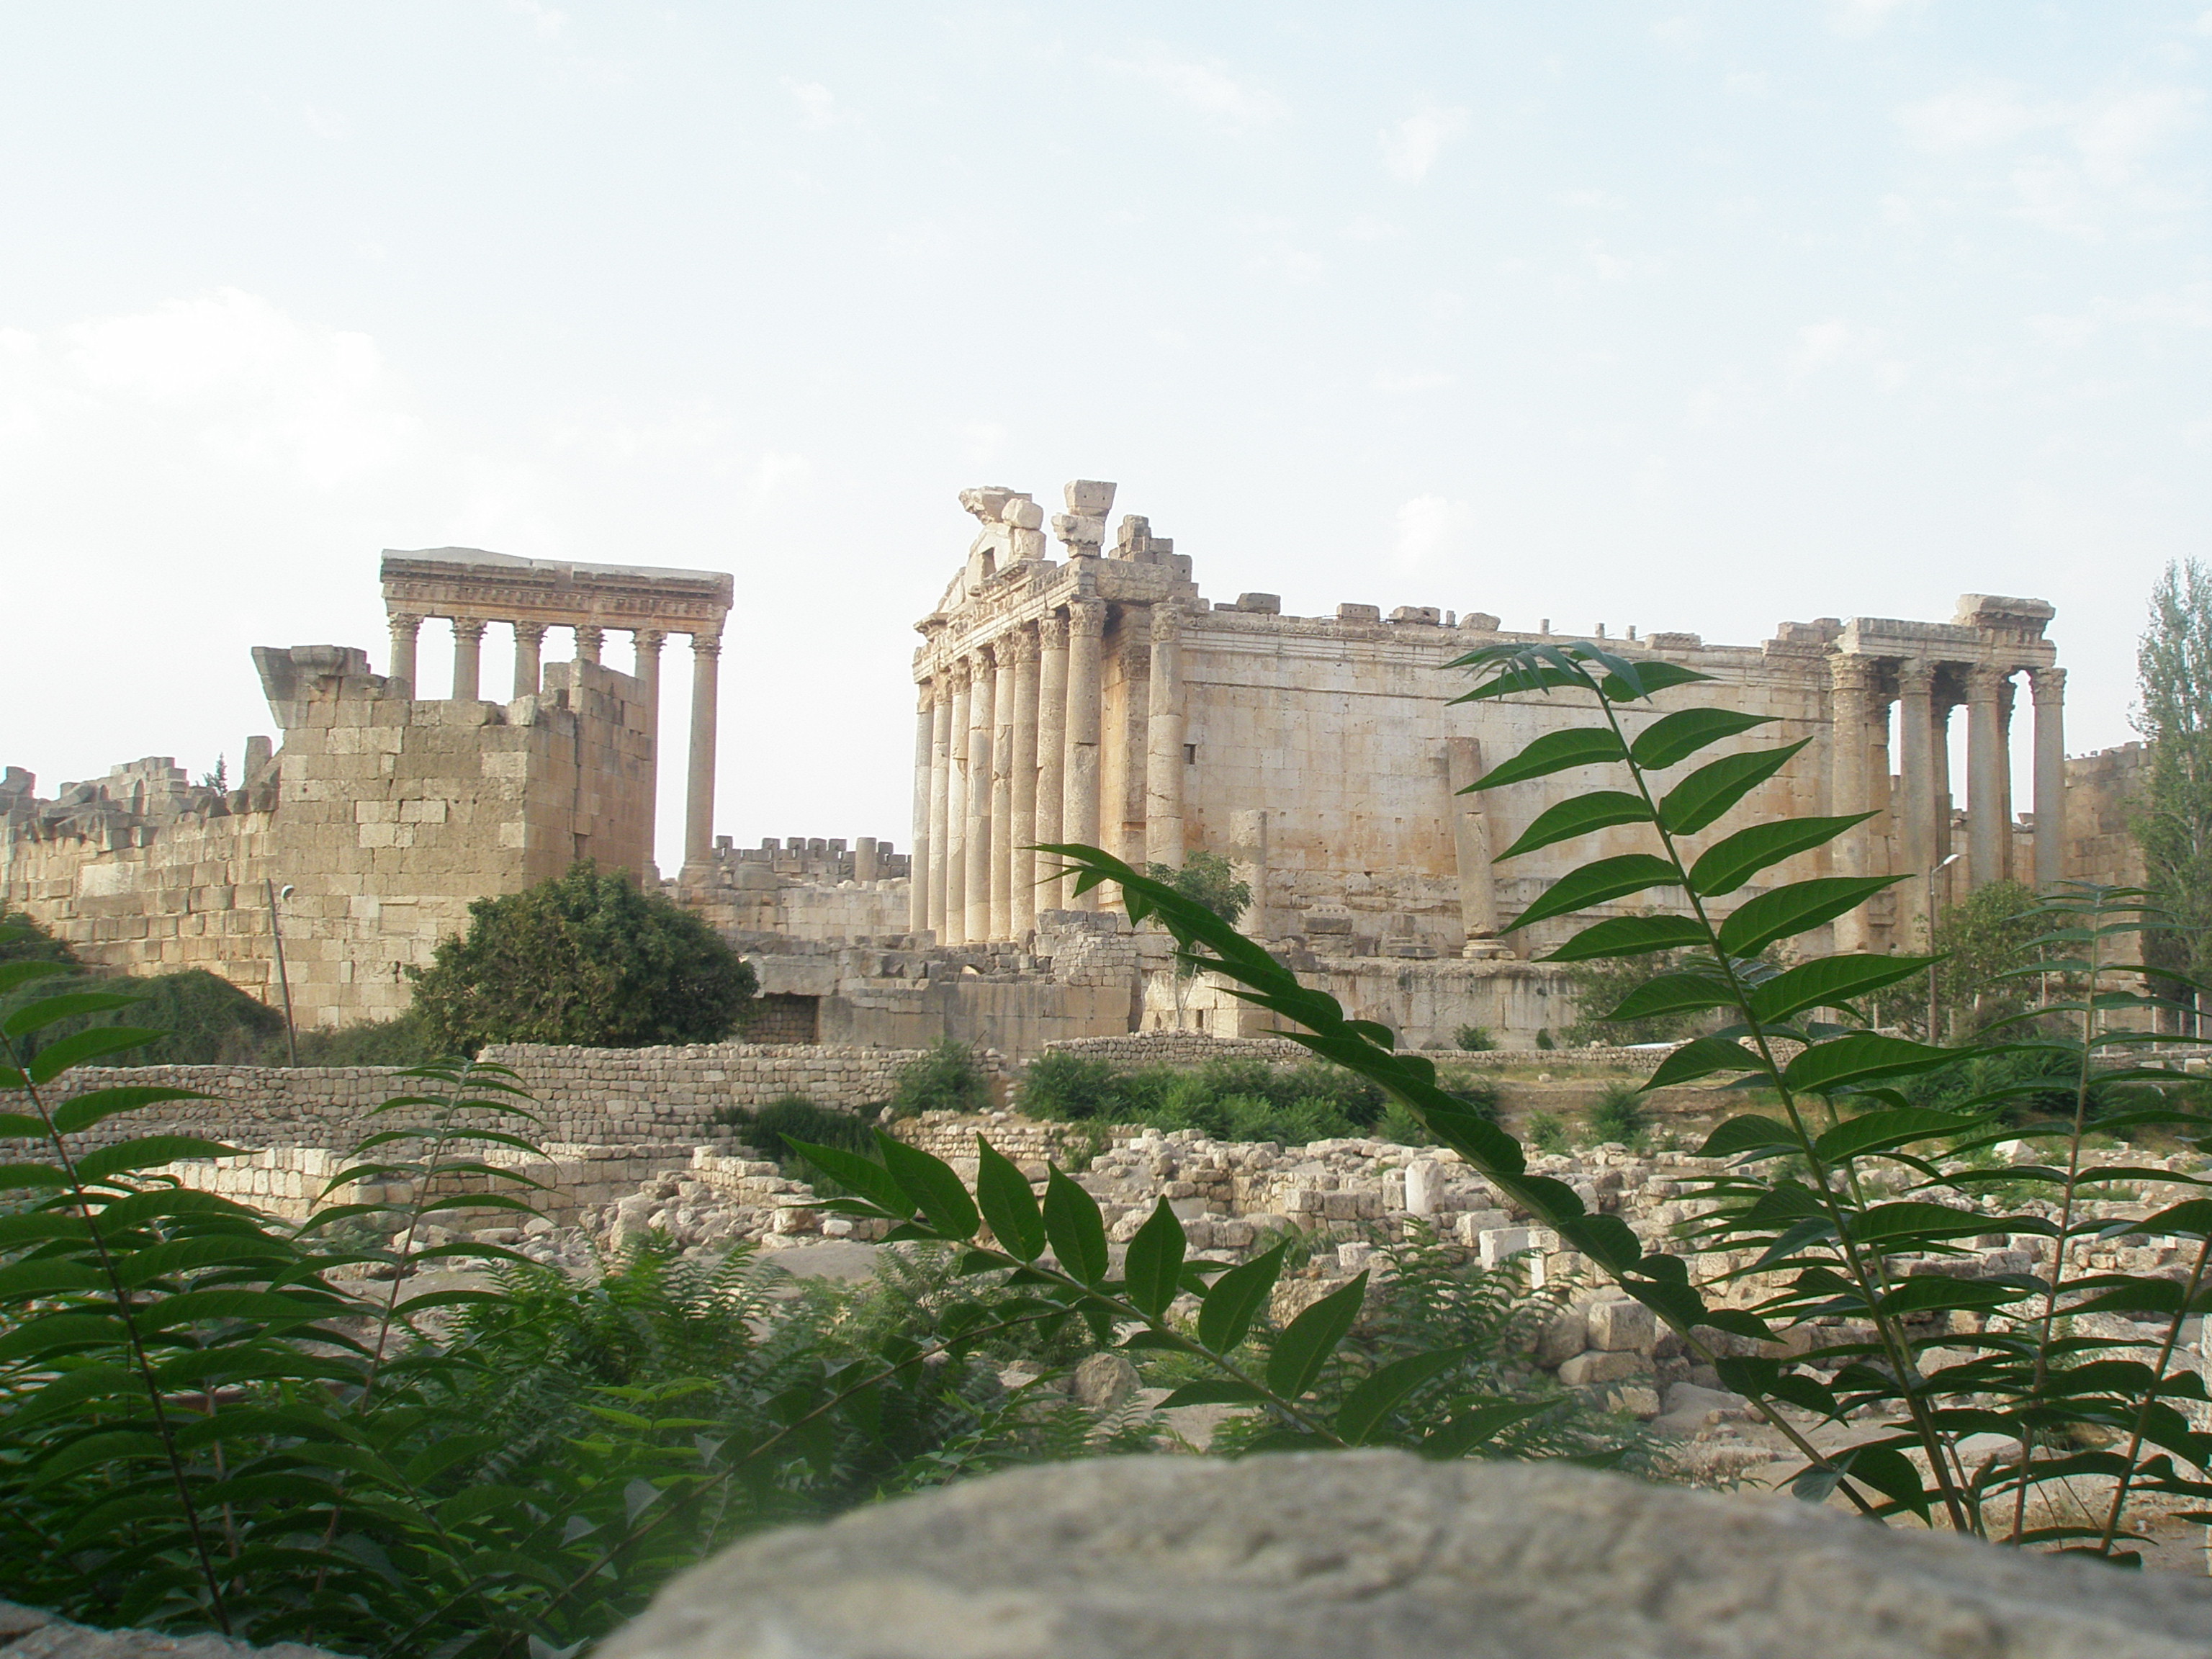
[[584, 1096], [386, 815]]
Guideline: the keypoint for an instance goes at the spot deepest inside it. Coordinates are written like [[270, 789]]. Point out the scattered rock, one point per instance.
[[27, 1633], [1326, 1555]]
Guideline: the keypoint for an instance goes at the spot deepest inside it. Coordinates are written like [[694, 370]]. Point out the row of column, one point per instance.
[[1009, 754], [1926, 692], [529, 673]]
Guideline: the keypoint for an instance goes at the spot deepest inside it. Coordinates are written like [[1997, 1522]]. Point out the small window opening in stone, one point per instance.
[[1190, 754]]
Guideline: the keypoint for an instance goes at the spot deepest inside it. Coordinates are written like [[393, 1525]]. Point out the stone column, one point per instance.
[[468, 658], [1078, 815], [1248, 857], [924, 737], [698, 788], [981, 694], [1985, 766], [405, 631], [1939, 768], [952, 926], [529, 655], [940, 764], [646, 665], [1051, 751], [1125, 825], [1003, 699], [1023, 835], [2049, 688], [2008, 692], [1850, 697], [1164, 750], [1916, 783], [590, 639]]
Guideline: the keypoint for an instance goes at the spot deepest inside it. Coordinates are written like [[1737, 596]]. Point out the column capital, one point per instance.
[[984, 658], [530, 631], [925, 698], [955, 674], [648, 639], [403, 622], [1915, 678], [2048, 686], [468, 629], [1167, 621], [1850, 671], [706, 645], [1983, 681], [1086, 616], [1051, 632], [1026, 647]]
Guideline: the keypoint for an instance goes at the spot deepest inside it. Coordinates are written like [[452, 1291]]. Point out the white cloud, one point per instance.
[[1835, 343], [818, 105], [1432, 379], [1432, 529], [1969, 117], [1861, 17], [549, 20], [1410, 148], [1209, 91]]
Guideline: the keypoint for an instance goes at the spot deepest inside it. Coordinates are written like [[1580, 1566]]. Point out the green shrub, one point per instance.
[[945, 1077], [401, 1042], [23, 939], [1620, 1114], [585, 959], [205, 1019], [771, 1129], [1474, 1039], [1546, 1131], [1544, 1040], [1071, 1089]]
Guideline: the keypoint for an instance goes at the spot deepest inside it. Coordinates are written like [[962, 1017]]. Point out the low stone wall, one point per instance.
[[1193, 1049], [596, 1097]]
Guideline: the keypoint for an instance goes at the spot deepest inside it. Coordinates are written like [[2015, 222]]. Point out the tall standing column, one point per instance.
[[1851, 696], [1003, 699], [1023, 834], [1133, 742], [925, 735], [468, 658], [1051, 751], [2048, 686], [589, 640], [646, 665], [1985, 762], [529, 657], [980, 699], [940, 762], [699, 786], [952, 926], [1916, 729], [1164, 750], [404, 630], [2008, 692], [1078, 815]]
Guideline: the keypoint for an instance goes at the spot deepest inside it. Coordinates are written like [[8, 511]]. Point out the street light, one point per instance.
[[277, 936], [1932, 874]]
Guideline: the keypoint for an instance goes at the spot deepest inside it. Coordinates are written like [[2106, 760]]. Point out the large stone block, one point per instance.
[[1320, 1556]]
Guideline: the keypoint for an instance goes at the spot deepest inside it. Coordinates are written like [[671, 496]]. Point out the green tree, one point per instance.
[[22, 939], [1211, 880], [2173, 815], [1979, 939], [587, 959]]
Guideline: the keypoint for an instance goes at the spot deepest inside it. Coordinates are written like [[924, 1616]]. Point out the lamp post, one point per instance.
[[1933, 873], [283, 979]]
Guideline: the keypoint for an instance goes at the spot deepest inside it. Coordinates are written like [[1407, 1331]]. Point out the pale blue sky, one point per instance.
[[1692, 317]]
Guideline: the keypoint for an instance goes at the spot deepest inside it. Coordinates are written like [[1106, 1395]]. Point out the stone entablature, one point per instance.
[[472, 587], [1100, 699]]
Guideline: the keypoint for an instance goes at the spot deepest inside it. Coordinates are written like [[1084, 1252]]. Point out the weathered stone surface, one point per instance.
[[27, 1633], [1380, 1553]]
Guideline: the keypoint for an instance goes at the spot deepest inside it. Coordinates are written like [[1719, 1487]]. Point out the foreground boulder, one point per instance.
[[1360, 1553], [27, 1633]]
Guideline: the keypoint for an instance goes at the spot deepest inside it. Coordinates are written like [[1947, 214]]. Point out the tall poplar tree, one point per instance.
[[2173, 815]]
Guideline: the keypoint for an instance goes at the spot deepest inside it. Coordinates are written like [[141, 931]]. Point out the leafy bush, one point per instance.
[[1547, 1131], [197, 1018], [1226, 1099], [945, 1077], [1071, 1088], [23, 939], [1474, 1039], [1618, 1114], [771, 1129], [401, 1042], [1544, 1040], [585, 958]]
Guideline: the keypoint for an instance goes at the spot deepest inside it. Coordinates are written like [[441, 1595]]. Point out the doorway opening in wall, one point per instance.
[[783, 1017]]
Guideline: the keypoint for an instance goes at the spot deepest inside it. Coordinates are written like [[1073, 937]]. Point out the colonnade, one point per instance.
[[591, 639], [1926, 691], [1010, 736]]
